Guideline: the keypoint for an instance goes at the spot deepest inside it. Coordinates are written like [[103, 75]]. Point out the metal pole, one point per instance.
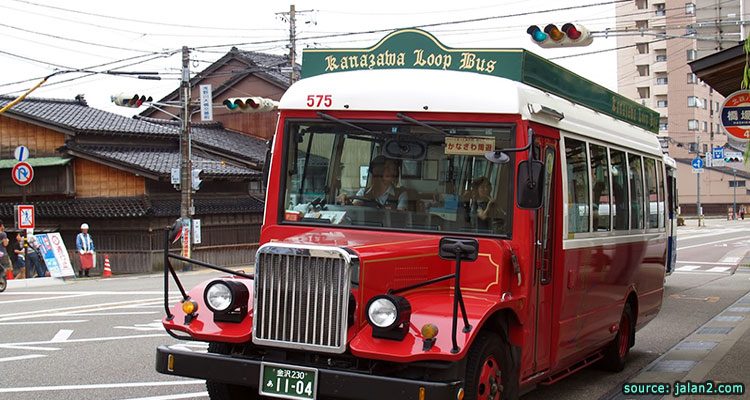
[[698, 182], [292, 41], [186, 204], [734, 201]]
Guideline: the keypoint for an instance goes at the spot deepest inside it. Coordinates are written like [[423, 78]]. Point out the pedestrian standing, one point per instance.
[[85, 247], [742, 212], [4, 242], [20, 256], [35, 263]]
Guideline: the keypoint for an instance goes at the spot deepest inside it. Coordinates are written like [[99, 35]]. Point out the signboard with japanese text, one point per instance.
[[469, 145], [735, 114], [55, 255], [206, 99]]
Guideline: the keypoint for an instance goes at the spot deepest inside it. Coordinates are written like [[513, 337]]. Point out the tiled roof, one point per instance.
[[77, 116], [271, 64], [212, 135], [160, 161], [171, 207], [131, 207], [85, 208]]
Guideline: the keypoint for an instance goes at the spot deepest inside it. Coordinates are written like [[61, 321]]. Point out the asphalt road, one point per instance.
[[96, 339]]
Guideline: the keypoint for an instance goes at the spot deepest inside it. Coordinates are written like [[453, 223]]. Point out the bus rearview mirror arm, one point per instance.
[[458, 249]]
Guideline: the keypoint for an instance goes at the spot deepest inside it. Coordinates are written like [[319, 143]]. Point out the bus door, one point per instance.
[[543, 257], [671, 219]]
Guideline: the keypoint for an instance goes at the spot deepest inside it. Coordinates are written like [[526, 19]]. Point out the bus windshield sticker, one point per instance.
[[469, 145]]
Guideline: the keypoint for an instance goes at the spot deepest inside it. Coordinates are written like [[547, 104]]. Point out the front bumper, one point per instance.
[[331, 383]]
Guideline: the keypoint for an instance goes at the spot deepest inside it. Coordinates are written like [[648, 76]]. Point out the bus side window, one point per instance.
[[620, 189], [652, 192], [600, 188], [635, 172], [662, 187], [578, 185]]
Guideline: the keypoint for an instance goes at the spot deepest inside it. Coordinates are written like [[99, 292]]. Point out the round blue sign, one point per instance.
[[698, 163]]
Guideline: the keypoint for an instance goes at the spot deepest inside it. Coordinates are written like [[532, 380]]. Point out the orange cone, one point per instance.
[[107, 270], [9, 274]]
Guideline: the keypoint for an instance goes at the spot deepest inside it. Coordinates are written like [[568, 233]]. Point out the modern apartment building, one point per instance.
[[655, 40]]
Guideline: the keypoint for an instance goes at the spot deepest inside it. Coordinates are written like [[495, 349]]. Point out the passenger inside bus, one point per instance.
[[480, 204], [382, 191]]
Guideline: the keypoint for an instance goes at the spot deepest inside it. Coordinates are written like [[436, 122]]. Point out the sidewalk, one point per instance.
[[33, 282]]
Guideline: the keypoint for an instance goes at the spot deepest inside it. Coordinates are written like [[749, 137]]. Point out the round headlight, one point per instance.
[[218, 296], [382, 312]]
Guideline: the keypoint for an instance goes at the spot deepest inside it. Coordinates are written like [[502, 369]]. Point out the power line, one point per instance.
[[140, 21], [72, 40], [425, 25]]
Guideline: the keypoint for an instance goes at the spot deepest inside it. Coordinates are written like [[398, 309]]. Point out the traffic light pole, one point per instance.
[[186, 164], [734, 200]]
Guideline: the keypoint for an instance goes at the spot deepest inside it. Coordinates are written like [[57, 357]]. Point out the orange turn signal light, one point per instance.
[[189, 307]]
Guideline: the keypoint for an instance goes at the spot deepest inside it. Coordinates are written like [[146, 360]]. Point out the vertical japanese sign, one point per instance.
[[206, 99]]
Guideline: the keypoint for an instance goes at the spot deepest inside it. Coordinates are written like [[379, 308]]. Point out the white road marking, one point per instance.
[[72, 310], [72, 321], [731, 260], [62, 335], [99, 339], [712, 233], [196, 395], [26, 357], [34, 348], [706, 262], [687, 268], [718, 269], [94, 292], [706, 244], [43, 299], [112, 313], [154, 326], [100, 386]]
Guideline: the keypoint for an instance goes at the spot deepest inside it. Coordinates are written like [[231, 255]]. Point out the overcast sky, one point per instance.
[[54, 35]]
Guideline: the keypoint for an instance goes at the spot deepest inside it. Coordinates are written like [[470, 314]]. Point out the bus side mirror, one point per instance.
[[529, 184]]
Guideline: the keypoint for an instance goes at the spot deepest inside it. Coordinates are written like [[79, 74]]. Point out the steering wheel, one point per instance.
[[365, 201]]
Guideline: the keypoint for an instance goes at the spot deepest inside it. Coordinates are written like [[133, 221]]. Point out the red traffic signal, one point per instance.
[[571, 35], [133, 101]]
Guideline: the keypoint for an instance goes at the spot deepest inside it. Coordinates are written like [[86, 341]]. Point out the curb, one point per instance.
[[34, 282]]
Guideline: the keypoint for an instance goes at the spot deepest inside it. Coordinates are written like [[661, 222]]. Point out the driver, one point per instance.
[[382, 188]]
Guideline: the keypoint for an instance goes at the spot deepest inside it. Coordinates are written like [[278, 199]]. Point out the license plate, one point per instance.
[[288, 382]]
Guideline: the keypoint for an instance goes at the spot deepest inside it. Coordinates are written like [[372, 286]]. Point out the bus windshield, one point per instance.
[[398, 176]]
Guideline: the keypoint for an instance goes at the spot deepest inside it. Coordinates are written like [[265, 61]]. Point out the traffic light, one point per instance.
[[196, 179], [250, 104], [133, 101], [571, 35]]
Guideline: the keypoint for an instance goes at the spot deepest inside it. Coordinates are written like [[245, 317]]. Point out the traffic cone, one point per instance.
[[9, 274], [107, 270]]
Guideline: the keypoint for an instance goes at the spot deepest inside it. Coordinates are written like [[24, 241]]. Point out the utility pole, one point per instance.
[[698, 211], [734, 188], [186, 164], [292, 18]]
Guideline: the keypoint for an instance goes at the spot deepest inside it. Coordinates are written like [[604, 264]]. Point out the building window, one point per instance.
[[663, 126], [692, 54], [705, 126], [641, 4], [660, 10], [692, 78], [690, 31], [644, 92], [704, 104], [642, 24], [692, 124], [662, 80], [693, 101], [661, 103], [661, 57], [736, 184], [690, 8], [643, 70], [642, 48]]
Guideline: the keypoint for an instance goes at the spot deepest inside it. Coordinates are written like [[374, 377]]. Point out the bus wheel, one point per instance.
[[617, 351], [488, 369], [224, 391]]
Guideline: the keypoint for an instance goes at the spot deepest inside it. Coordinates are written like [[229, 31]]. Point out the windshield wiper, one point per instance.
[[409, 119], [342, 122]]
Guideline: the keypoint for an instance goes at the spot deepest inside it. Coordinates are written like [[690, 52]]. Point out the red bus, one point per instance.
[[440, 224]]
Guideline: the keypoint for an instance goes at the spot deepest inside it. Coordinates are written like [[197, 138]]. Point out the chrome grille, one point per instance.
[[301, 297]]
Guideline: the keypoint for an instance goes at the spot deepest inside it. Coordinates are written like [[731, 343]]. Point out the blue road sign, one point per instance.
[[718, 153], [698, 163]]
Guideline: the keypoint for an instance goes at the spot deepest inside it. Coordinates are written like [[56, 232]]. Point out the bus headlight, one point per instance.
[[389, 316], [227, 299]]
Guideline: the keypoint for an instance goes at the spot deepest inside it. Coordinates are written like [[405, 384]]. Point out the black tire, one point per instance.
[[224, 391], [617, 351], [489, 372], [3, 284]]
